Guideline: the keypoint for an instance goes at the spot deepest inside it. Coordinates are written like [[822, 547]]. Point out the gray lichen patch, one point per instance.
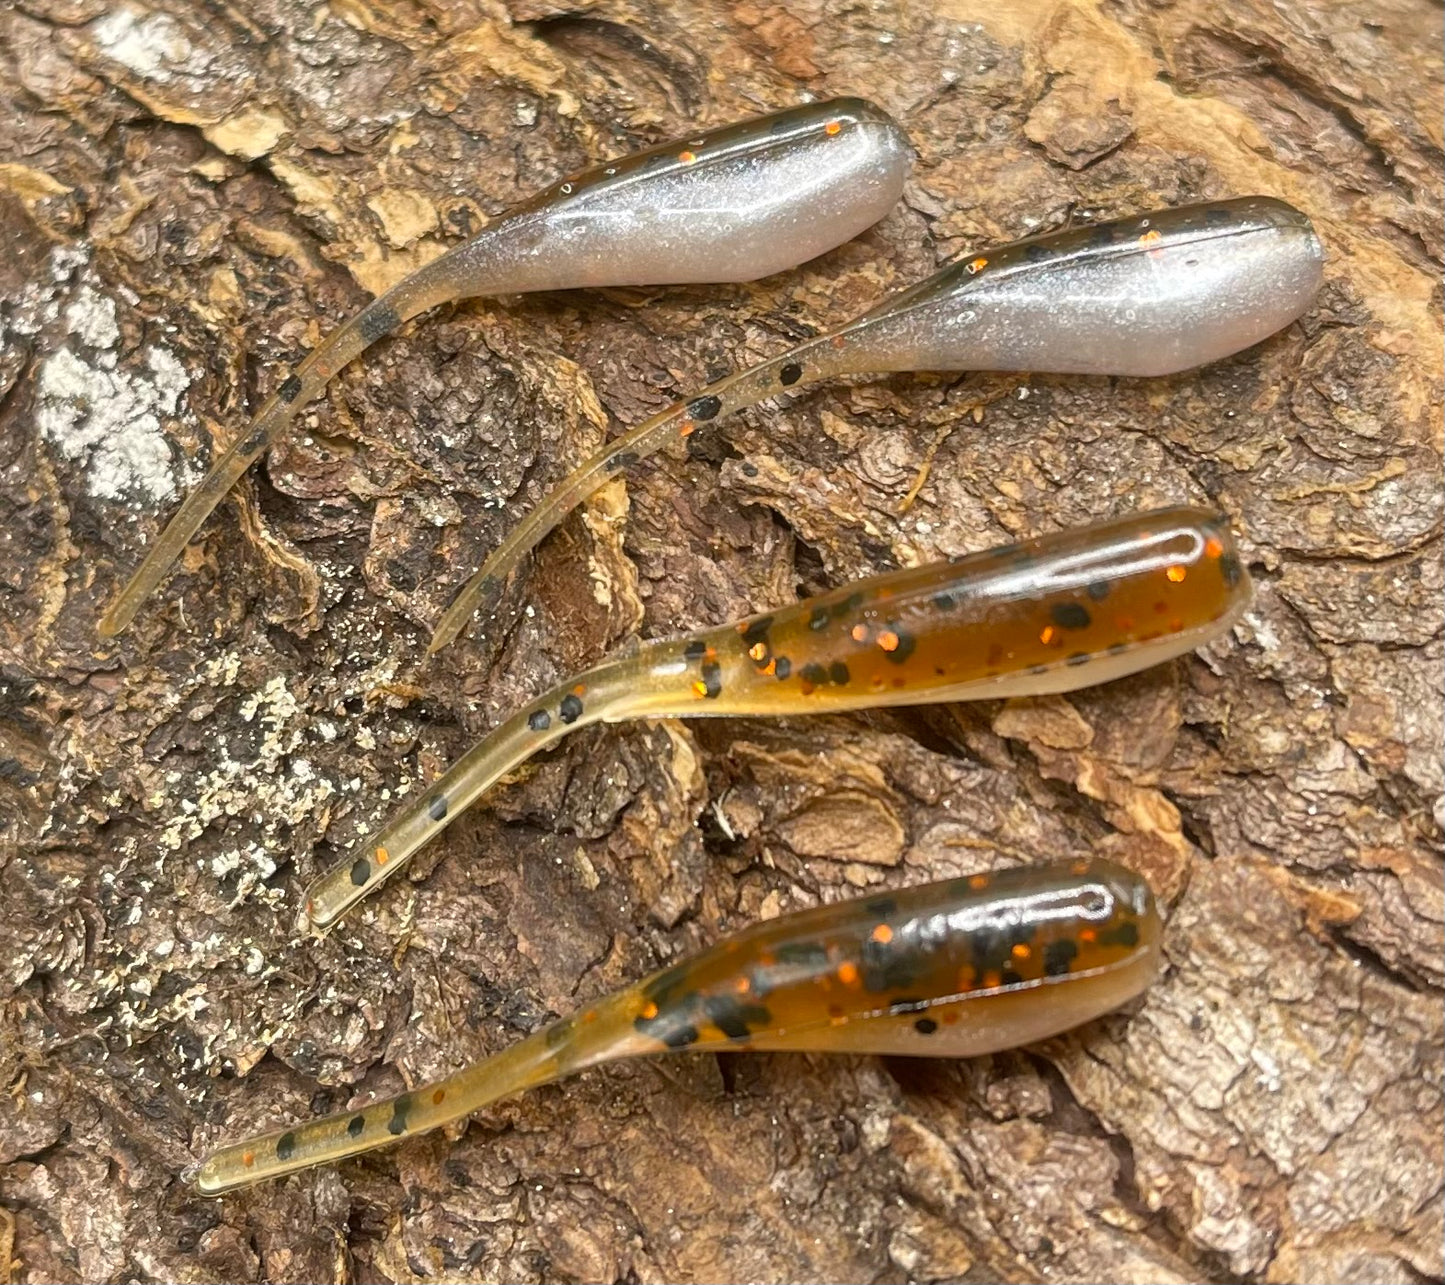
[[110, 419], [108, 414]]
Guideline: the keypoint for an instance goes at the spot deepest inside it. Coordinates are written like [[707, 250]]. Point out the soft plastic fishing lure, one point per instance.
[[955, 969], [1050, 615], [1143, 296], [732, 205]]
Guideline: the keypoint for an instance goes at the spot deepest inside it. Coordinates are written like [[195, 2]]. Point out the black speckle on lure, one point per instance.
[[1083, 939], [1140, 296], [999, 623], [734, 204]]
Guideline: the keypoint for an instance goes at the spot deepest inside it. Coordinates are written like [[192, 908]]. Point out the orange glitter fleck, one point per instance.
[[992, 980], [888, 640], [859, 633], [687, 157], [1047, 635], [1151, 236], [580, 690], [1087, 935], [978, 882], [649, 1011], [1213, 547], [382, 856], [248, 1158], [1176, 625], [978, 265], [832, 127], [699, 687], [882, 934], [742, 986], [758, 650], [1080, 867], [1177, 573], [687, 428], [1020, 951], [848, 973], [590, 1015]]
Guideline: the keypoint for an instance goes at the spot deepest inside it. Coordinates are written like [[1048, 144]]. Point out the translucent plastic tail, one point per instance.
[[435, 283]]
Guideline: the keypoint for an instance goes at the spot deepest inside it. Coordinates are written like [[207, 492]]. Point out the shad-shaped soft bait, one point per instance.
[[957, 968], [733, 205], [1050, 615], [1142, 296]]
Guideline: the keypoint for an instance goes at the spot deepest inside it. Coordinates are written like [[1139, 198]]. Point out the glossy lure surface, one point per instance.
[[731, 205], [1050, 615], [956, 968], [1149, 295]]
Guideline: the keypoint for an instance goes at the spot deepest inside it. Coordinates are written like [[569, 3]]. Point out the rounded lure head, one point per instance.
[[1150, 295], [733, 204]]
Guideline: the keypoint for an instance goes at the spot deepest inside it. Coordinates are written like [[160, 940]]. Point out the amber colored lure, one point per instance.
[[1049, 615], [731, 205], [1150, 295], [952, 969]]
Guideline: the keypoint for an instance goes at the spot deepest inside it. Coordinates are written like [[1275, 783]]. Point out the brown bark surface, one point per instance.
[[192, 193]]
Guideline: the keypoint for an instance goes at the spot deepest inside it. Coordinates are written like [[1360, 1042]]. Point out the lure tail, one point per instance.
[[435, 283], [816, 360], [598, 1034], [599, 694]]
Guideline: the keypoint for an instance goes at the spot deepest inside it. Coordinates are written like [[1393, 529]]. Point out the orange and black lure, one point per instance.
[[957, 968], [1049, 615]]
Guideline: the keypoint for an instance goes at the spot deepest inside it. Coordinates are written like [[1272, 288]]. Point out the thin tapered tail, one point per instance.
[[434, 283], [598, 694], [818, 359], [598, 1034]]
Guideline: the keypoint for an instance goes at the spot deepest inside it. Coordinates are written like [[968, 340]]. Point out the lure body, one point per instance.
[[1050, 615], [732, 205], [1142, 296], [1151, 295], [956, 968]]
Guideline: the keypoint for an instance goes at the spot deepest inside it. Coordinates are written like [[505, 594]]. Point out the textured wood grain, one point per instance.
[[191, 194]]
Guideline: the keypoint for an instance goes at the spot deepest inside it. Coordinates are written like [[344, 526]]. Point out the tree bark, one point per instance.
[[192, 194]]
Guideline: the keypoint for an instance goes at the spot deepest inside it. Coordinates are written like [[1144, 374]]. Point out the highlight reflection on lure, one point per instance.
[[732, 205], [1141, 296], [1050, 615], [955, 969]]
